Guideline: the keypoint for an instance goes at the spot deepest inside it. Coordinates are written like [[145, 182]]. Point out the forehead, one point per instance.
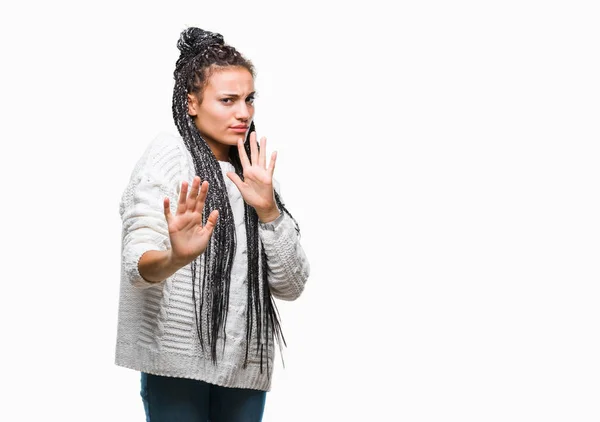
[[233, 80]]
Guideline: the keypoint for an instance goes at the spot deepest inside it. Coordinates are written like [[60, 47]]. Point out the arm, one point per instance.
[[288, 267], [157, 243], [156, 266], [188, 238], [144, 227]]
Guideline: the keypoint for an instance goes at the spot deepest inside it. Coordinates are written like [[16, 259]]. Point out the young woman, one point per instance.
[[202, 261]]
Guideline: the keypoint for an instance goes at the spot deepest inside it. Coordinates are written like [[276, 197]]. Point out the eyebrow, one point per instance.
[[233, 95]]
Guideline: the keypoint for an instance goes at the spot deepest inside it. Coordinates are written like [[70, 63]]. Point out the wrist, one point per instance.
[[269, 215], [174, 262]]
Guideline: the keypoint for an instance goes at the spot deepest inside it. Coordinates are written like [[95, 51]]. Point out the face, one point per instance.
[[226, 110]]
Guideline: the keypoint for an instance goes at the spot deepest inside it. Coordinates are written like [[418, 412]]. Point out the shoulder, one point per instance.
[[164, 153], [165, 147], [165, 159]]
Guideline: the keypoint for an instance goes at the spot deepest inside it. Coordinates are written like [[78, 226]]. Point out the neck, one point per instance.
[[220, 151]]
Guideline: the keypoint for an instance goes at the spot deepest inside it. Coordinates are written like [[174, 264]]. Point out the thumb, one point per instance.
[[235, 179], [167, 209], [211, 222]]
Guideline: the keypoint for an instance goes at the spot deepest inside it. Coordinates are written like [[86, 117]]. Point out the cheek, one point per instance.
[[213, 118], [206, 123], [224, 115], [224, 118]]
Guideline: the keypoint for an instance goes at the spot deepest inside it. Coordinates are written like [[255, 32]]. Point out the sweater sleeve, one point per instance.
[[144, 226], [288, 267]]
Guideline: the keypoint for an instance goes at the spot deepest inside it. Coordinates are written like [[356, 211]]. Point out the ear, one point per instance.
[[192, 105]]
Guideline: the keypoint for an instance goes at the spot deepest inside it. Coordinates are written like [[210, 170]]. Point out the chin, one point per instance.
[[233, 140]]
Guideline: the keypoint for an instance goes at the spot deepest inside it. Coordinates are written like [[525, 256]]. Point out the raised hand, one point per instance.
[[257, 186], [188, 237]]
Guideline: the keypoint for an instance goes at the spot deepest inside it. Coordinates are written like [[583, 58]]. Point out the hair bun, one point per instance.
[[193, 41]]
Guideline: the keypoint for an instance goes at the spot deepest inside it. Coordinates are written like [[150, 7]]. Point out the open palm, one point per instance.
[[257, 186], [189, 238]]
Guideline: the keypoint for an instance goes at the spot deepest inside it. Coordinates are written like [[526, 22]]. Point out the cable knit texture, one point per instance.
[[156, 325]]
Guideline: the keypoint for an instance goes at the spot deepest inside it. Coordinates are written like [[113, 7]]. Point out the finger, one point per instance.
[[262, 153], [242, 153], [201, 199], [167, 209], [253, 148], [211, 222], [236, 180], [191, 200], [207, 231], [271, 168], [181, 206]]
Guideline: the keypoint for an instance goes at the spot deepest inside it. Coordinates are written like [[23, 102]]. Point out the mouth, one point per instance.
[[239, 129]]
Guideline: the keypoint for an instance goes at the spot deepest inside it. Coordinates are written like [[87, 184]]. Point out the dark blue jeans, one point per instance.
[[168, 399]]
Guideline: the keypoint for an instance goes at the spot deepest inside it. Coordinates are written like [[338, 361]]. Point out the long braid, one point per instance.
[[218, 257], [200, 52]]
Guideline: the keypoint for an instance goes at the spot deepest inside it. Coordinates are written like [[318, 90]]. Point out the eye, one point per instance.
[[226, 100], [250, 100]]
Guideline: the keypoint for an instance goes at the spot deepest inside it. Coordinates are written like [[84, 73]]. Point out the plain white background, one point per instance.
[[440, 157]]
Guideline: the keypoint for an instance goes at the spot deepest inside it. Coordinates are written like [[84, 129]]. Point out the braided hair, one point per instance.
[[201, 52]]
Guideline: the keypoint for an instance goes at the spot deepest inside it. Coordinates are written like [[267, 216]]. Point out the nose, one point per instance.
[[243, 112]]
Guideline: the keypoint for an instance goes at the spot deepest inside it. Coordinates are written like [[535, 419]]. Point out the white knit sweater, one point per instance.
[[156, 325]]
